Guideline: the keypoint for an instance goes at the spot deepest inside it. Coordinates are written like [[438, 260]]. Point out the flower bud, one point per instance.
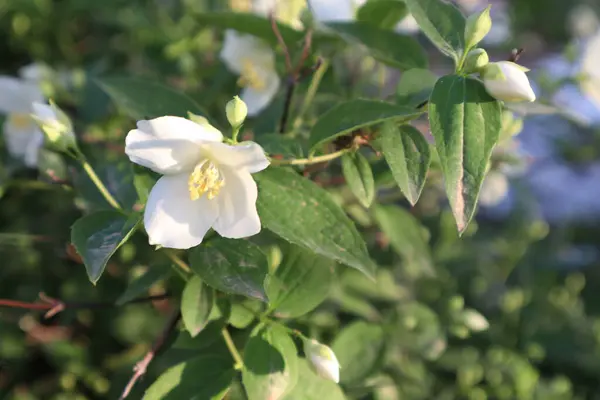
[[322, 360], [507, 81], [477, 27], [202, 121], [236, 111], [476, 60], [475, 321], [56, 125]]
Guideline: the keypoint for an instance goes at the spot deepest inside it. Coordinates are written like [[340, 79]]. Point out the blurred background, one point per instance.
[[529, 264]]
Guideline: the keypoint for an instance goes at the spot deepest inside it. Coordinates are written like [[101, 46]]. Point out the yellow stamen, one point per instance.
[[206, 178], [250, 76], [20, 121], [241, 5]]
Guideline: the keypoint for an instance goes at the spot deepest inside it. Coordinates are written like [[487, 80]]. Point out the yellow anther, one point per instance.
[[205, 178], [250, 76], [20, 121]]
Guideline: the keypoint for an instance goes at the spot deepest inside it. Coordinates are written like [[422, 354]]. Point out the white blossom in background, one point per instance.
[[583, 21], [590, 69], [254, 61], [507, 81], [205, 184], [475, 321], [494, 189], [322, 360]]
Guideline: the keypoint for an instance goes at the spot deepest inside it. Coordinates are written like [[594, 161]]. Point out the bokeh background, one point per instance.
[[529, 264]]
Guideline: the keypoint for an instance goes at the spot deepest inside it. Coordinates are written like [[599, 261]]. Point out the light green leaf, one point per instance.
[[465, 122], [270, 364], [443, 24], [97, 237], [144, 180], [358, 348], [143, 283], [382, 13], [206, 377], [244, 312], [304, 214], [313, 387], [232, 266], [415, 87], [406, 235], [144, 99], [354, 114], [196, 304], [359, 177], [407, 153], [300, 283], [391, 48]]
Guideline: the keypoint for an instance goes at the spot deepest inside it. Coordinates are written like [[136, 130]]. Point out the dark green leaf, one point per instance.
[[97, 237], [144, 282], [52, 165], [270, 364], [143, 99], [415, 87], [391, 48], [196, 304], [206, 377], [312, 387], [443, 24], [354, 114], [276, 144], [303, 213], [382, 13], [300, 283], [358, 348], [233, 266], [407, 153], [465, 122], [359, 177]]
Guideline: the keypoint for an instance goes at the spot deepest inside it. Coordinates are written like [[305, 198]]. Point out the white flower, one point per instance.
[[285, 11], [22, 135], [494, 189], [507, 81], [408, 25], [254, 61], [205, 183], [334, 10], [322, 360], [589, 68]]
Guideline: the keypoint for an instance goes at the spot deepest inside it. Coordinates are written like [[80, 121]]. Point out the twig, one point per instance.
[[141, 367], [286, 52], [516, 54]]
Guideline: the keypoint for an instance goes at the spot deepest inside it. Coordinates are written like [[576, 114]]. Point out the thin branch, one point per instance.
[[286, 52], [141, 367]]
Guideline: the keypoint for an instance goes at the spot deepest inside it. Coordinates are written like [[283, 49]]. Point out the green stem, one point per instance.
[[96, 180], [239, 363], [311, 92], [234, 133], [181, 266], [312, 160]]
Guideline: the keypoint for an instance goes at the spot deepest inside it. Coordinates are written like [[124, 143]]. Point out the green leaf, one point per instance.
[[415, 87], [270, 364], [304, 214], [391, 48], [143, 283], [358, 175], [144, 180], [97, 237], [206, 377], [277, 144], [442, 23], [382, 13], [300, 283], [406, 236], [407, 153], [232, 266], [465, 122], [145, 99], [355, 114], [313, 387], [196, 304], [358, 348], [244, 312]]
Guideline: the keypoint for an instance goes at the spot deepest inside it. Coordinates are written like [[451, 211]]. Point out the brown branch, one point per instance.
[[141, 367], [286, 52]]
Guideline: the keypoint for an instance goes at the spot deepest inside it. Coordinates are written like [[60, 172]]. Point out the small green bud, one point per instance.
[[477, 27], [236, 111], [476, 60], [56, 125]]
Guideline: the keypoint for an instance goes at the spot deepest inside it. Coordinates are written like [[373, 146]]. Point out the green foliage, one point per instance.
[[358, 175]]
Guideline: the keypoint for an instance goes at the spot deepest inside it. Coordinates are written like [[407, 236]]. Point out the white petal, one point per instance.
[[514, 88], [238, 217], [179, 128], [165, 156], [32, 151], [238, 48], [258, 100], [18, 139], [172, 219], [247, 155], [43, 112], [329, 11], [16, 95]]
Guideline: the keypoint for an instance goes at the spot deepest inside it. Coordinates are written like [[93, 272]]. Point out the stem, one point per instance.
[[183, 269], [239, 363], [311, 92], [312, 160], [234, 133], [287, 104], [96, 180]]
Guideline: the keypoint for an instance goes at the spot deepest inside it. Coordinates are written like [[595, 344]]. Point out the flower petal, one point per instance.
[[246, 155], [17, 95], [172, 219], [238, 217], [257, 100], [238, 48], [179, 128], [165, 156], [32, 151], [18, 139]]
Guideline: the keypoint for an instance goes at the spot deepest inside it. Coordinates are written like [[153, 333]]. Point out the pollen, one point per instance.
[[205, 179], [250, 76], [20, 121]]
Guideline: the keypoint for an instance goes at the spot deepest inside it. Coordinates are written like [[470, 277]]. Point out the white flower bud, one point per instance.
[[476, 60], [322, 360], [507, 81], [475, 321], [477, 27], [236, 111], [56, 125]]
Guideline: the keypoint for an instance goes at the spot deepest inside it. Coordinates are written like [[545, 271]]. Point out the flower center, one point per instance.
[[20, 120], [250, 76], [205, 178]]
